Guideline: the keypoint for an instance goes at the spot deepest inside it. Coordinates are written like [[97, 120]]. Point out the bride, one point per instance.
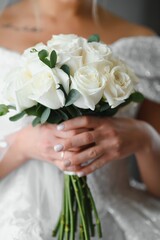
[[31, 182]]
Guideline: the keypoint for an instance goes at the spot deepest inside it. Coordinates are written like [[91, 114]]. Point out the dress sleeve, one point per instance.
[[142, 54], [8, 61]]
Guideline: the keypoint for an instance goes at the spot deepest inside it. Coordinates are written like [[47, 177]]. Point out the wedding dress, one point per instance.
[[30, 197]]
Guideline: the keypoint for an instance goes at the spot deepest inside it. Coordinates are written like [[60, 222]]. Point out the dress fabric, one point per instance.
[[31, 196]]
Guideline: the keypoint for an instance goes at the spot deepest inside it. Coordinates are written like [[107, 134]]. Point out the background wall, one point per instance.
[[146, 12]]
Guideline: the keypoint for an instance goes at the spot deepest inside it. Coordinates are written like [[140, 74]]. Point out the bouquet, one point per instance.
[[68, 77]]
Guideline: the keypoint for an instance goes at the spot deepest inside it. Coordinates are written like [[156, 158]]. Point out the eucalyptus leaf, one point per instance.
[[36, 121], [94, 38], [45, 115], [53, 59], [43, 54], [77, 110], [63, 114], [104, 107], [39, 110], [55, 117], [11, 107], [73, 111], [47, 62], [137, 97], [33, 50], [72, 97], [3, 109], [66, 69], [17, 116], [32, 111], [63, 90]]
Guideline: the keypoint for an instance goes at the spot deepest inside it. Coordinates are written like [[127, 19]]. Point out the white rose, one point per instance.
[[32, 52], [44, 89], [36, 82], [69, 49], [66, 43], [15, 80], [90, 83], [120, 84], [95, 51]]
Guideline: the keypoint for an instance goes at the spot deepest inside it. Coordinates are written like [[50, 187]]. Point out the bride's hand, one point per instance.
[[41, 143], [108, 139]]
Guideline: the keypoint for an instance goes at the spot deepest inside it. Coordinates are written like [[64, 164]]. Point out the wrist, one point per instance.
[[147, 138], [18, 144]]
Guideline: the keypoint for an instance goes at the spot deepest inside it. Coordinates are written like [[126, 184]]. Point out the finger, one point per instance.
[[87, 155], [77, 123], [80, 140], [69, 133], [62, 166], [92, 167]]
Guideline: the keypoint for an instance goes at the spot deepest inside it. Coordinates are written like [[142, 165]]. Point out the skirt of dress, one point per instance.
[[31, 198]]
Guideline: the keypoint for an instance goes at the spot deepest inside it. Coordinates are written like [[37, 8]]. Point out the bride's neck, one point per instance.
[[65, 8]]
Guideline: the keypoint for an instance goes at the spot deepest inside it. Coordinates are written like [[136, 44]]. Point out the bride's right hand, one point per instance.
[[39, 143]]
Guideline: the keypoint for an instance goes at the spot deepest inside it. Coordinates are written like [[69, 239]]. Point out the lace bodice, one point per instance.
[[126, 213]]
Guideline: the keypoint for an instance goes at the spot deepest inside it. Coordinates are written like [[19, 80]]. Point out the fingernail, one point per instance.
[[80, 174], [67, 163], [60, 127], [58, 147]]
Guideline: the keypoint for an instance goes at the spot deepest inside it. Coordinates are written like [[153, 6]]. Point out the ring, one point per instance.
[[62, 154]]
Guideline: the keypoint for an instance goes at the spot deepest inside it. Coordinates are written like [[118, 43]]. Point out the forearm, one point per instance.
[[148, 158], [13, 157]]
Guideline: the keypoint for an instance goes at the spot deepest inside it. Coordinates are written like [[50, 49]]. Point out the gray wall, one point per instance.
[[146, 12]]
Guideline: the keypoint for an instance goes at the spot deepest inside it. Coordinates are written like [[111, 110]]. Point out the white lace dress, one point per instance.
[[30, 197]]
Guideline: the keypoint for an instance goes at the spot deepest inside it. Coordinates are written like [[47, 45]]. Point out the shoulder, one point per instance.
[[119, 28]]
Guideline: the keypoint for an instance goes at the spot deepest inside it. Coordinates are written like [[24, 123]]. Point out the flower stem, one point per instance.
[[63, 217], [75, 179], [67, 224], [70, 203], [98, 223]]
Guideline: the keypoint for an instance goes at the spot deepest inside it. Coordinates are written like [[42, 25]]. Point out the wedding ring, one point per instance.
[[62, 154]]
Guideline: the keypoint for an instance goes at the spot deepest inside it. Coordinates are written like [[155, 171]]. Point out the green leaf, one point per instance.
[[3, 109], [53, 59], [47, 62], [63, 90], [109, 112], [11, 107], [32, 111], [137, 97], [63, 114], [94, 38], [33, 50], [40, 109], [45, 115], [17, 116], [78, 111], [104, 107], [72, 97], [55, 117], [36, 121], [66, 69], [43, 54]]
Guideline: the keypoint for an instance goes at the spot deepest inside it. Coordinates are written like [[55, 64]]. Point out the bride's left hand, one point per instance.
[[106, 140]]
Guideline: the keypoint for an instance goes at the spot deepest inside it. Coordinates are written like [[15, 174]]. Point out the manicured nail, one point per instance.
[[60, 127], [58, 147], [67, 163], [80, 174]]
